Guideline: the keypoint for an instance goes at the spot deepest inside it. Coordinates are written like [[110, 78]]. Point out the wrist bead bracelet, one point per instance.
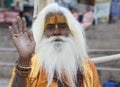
[[23, 70]]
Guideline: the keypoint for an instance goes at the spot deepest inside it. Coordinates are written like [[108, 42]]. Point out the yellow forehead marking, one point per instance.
[[54, 19], [56, 26]]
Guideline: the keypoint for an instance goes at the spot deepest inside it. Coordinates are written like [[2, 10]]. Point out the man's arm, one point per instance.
[[19, 81], [25, 44]]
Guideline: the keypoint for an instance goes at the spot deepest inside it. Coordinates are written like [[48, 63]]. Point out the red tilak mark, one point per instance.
[[55, 20]]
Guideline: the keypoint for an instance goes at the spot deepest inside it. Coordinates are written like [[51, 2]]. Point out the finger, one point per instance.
[[24, 28], [31, 36], [14, 27], [11, 31], [19, 24]]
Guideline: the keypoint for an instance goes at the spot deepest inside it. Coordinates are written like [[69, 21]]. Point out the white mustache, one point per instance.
[[58, 38]]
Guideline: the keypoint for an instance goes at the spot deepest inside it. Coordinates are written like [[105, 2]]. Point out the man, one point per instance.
[[56, 56]]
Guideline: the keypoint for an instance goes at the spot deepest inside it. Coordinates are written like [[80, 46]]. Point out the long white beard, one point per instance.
[[59, 56]]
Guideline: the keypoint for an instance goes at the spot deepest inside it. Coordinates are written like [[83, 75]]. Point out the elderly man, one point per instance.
[[56, 56]]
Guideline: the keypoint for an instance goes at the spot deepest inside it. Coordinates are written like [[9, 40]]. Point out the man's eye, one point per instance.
[[62, 25], [50, 27]]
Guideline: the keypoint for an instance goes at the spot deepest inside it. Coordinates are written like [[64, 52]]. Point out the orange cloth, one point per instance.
[[39, 79]]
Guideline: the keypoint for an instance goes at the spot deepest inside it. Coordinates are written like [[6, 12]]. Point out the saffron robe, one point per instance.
[[37, 77]]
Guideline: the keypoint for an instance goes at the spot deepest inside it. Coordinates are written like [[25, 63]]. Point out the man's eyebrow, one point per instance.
[[50, 24], [62, 23]]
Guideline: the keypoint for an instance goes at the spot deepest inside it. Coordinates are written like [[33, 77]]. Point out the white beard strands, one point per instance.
[[58, 56]]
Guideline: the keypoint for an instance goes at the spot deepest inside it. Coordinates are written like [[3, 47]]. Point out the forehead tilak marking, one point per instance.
[[55, 19]]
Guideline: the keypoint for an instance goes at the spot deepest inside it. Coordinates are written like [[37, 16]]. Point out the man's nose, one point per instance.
[[56, 32]]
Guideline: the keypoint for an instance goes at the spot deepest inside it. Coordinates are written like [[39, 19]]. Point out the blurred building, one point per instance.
[[5, 3], [2, 3], [10, 9], [104, 10]]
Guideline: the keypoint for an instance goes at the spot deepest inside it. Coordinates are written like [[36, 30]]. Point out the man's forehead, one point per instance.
[[55, 18]]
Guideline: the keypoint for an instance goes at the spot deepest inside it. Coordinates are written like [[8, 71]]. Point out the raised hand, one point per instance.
[[22, 39]]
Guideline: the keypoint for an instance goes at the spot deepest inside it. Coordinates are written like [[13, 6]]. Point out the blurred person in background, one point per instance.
[[27, 13], [74, 12], [88, 18], [17, 6]]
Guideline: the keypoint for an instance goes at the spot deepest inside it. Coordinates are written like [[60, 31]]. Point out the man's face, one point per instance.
[[62, 47], [56, 25]]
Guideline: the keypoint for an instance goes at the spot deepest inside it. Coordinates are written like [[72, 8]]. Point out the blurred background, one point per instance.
[[102, 21]]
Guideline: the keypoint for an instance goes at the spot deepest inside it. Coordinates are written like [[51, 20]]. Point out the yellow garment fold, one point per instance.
[[35, 66], [38, 78]]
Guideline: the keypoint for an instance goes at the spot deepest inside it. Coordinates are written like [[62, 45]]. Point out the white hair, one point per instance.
[[75, 27], [39, 4]]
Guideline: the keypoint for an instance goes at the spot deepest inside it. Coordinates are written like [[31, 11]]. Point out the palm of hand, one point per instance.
[[22, 39], [24, 45]]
